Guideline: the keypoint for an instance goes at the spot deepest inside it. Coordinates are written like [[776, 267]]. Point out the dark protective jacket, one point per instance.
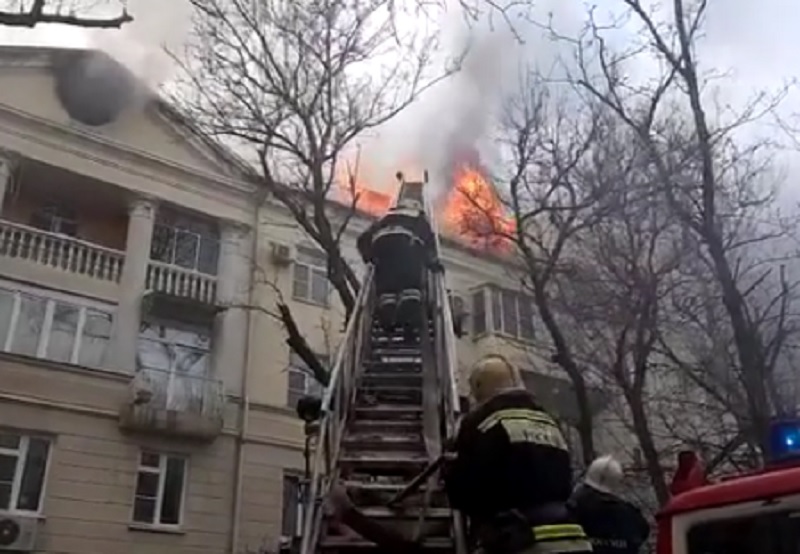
[[410, 223], [613, 525], [510, 455]]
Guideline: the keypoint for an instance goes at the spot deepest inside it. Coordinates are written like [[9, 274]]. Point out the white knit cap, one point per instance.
[[605, 474]]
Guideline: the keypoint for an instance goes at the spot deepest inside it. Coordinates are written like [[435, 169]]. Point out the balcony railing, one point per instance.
[[60, 252], [181, 282], [175, 404]]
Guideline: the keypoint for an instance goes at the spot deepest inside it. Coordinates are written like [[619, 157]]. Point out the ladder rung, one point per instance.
[[408, 513], [343, 543]]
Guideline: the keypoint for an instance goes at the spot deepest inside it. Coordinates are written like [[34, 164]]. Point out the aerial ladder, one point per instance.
[[390, 405]]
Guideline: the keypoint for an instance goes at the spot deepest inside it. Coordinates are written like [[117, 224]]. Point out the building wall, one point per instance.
[[93, 465], [92, 472], [90, 481]]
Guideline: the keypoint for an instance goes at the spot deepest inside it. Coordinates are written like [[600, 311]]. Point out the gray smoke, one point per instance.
[[456, 121], [159, 26], [451, 120]]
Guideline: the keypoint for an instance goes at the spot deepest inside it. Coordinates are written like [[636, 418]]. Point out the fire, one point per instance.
[[473, 213]]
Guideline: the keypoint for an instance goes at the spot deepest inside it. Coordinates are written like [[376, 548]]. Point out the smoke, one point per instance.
[[455, 122], [142, 46], [449, 121]]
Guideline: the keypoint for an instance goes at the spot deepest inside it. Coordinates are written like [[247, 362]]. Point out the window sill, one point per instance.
[[309, 302], [22, 514], [153, 528], [504, 336]]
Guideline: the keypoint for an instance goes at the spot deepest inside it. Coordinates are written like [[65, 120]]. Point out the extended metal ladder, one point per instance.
[[389, 405]]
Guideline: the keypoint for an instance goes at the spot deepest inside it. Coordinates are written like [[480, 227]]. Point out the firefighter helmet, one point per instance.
[[605, 474], [409, 204], [492, 375]]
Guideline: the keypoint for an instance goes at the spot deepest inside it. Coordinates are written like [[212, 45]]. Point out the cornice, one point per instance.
[[120, 156], [455, 255]]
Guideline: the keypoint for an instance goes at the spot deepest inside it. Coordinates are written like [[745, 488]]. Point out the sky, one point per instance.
[[756, 42]]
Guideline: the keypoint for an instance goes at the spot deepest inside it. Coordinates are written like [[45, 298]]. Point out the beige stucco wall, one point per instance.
[[92, 471], [142, 151]]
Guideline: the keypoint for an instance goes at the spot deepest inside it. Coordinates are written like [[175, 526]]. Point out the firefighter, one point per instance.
[[613, 525], [401, 245], [510, 472]]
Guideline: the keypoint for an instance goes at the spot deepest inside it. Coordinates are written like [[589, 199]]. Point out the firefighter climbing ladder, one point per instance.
[[389, 405]]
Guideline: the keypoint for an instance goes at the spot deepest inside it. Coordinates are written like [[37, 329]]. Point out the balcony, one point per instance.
[[175, 405], [60, 252], [172, 280]]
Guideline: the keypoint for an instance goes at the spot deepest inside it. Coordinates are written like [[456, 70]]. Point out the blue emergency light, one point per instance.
[[785, 440]]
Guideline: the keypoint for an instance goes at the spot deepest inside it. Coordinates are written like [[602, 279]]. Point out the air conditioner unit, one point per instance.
[[18, 533], [281, 254]]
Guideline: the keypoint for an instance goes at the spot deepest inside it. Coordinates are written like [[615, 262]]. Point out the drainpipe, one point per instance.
[[245, 410]]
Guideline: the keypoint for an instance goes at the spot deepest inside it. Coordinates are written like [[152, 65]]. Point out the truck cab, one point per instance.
[[749, 513]]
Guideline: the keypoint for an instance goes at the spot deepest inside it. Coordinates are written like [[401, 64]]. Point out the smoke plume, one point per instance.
[[158, 26], [452, 121]]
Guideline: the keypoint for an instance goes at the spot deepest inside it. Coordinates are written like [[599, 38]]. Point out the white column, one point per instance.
[[8, 163], [121, 352], [233, 293]]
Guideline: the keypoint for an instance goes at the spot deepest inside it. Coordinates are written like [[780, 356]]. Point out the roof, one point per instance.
[[46, 56], [225, 157], [761, 485]]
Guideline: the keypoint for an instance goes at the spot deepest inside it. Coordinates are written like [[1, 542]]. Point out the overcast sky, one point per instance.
[[757, 42]]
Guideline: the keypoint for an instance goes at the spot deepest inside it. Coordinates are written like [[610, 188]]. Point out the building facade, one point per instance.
[[146, 391]]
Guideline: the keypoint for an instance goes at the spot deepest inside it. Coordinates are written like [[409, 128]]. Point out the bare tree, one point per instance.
[[546, 140], [293, 85], [695, 159], [30, 13], [617, 275]]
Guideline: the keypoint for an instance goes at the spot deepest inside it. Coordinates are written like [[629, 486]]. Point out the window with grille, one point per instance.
[[55, 219]]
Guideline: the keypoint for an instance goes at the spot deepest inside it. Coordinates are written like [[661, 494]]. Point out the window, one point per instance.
[[176, 356], [511, 313], [310, 279], [301, 381], [160, 486], [23, 466], [185, 241], [479, 312], [765, 533], [55, 219], [292, 512], [59, 329]]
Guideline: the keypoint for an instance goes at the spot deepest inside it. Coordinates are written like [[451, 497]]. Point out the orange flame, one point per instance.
[[473, 213]]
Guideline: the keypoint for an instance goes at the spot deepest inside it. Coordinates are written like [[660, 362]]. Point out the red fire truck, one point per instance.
[[751, 513]]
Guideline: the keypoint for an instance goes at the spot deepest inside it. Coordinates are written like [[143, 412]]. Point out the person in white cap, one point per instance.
[[614, 525]]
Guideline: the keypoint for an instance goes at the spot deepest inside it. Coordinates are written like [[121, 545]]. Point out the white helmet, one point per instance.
[[409, 204], [605, 474]]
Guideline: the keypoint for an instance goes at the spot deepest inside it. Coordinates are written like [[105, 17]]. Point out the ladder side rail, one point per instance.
[[447, 367], [448, 364], [335, 407]]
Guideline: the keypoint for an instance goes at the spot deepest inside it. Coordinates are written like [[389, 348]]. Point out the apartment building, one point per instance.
[[146, 392]]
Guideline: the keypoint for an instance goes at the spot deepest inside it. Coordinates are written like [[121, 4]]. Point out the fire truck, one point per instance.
[[748, 513]]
